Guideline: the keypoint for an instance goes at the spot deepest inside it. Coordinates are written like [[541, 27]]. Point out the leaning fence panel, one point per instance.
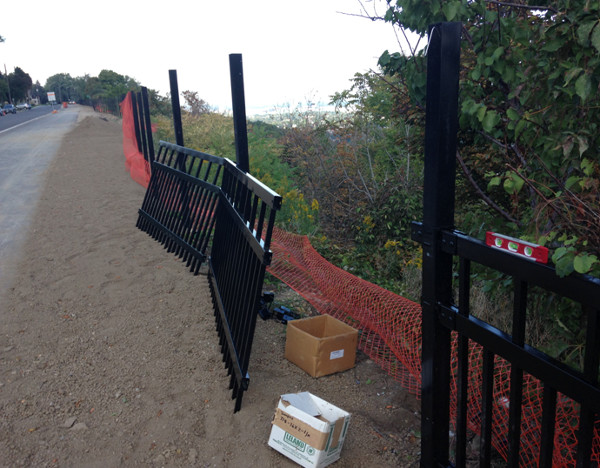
[[180, 202], [192, 194], [240, 254]]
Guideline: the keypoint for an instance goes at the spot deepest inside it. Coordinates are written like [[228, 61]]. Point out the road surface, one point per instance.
[[29, 140]]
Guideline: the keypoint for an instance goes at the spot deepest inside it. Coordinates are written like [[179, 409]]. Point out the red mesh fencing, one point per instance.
[[378, 314], [390, 334], [135, 162]]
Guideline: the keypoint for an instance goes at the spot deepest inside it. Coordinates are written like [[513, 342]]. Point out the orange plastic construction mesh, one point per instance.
[[567, 412], [389, 325], [390, 334], [135, 162]]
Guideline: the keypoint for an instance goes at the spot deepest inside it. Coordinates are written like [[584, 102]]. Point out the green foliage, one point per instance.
[[212, 133], [3, 89], [20, 83], [529, 114], [62, 84]]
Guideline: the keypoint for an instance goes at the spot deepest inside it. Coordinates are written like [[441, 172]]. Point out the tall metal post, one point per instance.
[[441, 125], [136, 120], [141, 121], [239, 111], [178, 127], [146, 107]]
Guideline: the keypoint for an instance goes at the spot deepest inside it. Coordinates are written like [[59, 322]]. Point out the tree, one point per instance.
[[39, 92], [3, 89], [529, 114], [20, 84], [61, 84], [197, 105]]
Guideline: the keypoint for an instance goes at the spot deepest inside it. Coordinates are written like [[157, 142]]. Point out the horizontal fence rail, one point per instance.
[[190, 195], [240, 253], [533, 409], [519, 417], [178, 209]]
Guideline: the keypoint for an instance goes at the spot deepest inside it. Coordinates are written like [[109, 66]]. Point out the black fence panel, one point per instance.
[[142, 124], [240, 253], [179, 205], [443, 319], [190, 194]]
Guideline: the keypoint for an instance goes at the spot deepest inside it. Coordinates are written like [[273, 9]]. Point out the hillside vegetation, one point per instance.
[[527, 155]]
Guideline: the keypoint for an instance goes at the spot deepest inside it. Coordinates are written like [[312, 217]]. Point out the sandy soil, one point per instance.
[[108, 350]]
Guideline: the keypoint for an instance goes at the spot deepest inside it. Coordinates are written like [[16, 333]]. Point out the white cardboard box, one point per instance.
[[308, 430]]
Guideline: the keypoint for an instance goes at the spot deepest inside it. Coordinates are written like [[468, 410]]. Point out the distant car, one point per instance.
[[23, 106], [10, 108]]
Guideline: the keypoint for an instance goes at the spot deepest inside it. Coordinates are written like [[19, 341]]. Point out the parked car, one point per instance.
[[10, 108], [23, 106]]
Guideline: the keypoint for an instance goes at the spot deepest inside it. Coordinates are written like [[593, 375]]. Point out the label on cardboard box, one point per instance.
[[308, 430], [300, 429], [336, 354]]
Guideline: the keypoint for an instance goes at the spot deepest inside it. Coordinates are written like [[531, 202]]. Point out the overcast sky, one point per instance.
[[292, 50]]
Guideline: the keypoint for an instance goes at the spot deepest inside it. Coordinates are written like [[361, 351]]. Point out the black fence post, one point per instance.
[[178, 127], [136, 121], [139, 110], [239, 111], [146, 108], [443, 58]]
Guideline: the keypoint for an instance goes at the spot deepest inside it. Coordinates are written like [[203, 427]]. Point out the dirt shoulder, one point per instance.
[[109, 354]]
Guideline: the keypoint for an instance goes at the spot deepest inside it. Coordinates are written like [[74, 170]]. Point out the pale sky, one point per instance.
[[292, 50]]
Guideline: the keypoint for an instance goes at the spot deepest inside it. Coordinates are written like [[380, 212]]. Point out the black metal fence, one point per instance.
[[142, 124], [442, 317], [206, 208], [240, 253], [179, 205]]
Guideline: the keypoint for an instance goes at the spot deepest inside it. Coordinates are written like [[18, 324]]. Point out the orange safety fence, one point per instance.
[[390, 334], [389, 328], [389, 325]]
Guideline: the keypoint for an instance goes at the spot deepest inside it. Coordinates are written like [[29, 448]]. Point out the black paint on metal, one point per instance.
[[136, 121], [438, 213], [240, 253], [441, 243], [143, 143], [176, 107], [178, 209], [238, 100], [147, 124], [190, 195]]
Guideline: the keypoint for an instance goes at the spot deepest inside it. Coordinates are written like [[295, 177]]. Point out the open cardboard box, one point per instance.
[[321, 345], [308, 430]]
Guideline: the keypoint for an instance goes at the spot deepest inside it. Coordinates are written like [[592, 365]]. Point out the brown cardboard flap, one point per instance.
[[301, 430], [337, 431]]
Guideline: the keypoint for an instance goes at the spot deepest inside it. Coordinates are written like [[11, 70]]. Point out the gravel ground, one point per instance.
[[109, 354]]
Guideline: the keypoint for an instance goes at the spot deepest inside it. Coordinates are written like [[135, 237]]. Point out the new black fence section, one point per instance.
[[205, 208], [442, 317], [240, 253], [143, 127], [179, 205]]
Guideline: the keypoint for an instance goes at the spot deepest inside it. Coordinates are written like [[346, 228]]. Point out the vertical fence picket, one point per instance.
[[502, 422]]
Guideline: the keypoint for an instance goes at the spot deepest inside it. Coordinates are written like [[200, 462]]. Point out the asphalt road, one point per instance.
[[29, 140], [10, 120]]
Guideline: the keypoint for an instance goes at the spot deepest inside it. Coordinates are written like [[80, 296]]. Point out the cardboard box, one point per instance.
[[321, 345], [308, 430]]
